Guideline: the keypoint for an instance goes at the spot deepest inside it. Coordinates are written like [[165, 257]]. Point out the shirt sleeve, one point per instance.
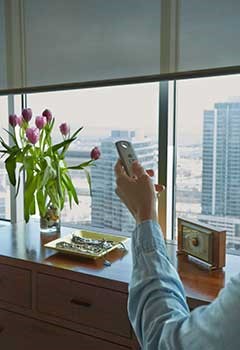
[[157, 305]]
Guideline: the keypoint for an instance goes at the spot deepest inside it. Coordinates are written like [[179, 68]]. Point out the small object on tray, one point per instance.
[[87, 243]]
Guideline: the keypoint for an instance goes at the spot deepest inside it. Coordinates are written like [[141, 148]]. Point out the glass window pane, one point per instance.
[[208, 153], [4, 183], [107, 115]]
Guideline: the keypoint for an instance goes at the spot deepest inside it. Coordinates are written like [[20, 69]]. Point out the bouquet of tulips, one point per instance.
[[47, 181]]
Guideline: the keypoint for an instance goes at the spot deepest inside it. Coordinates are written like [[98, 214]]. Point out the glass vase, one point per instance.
[[50, 223]]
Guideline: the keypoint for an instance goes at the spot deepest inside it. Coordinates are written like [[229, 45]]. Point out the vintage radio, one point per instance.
[[203, 242]]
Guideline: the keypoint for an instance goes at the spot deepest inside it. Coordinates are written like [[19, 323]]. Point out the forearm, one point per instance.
[[157, 306], [156, 294]]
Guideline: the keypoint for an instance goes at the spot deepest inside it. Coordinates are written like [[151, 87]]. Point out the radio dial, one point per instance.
[[195, 242]]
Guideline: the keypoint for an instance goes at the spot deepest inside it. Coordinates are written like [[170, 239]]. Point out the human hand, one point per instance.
[[137, 192]]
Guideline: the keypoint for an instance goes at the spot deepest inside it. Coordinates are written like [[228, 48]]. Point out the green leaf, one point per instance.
[[82, 165], [62, 144], [51, 125], [54, 197], [70, 187], [3, 153], [62, 199], [19, 179], [28, 162], [10, 164], [26, 149], [59, 187], [29, 176], [48, 129], [12, 136], [29, 191], [22, 157], [41, 201], [68, 191], [32, 206], [88, 180], [49, 172], [3, 143], [76, 132], [26, 212]]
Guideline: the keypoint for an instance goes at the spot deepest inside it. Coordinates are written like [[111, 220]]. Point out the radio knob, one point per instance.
[[195, 241]]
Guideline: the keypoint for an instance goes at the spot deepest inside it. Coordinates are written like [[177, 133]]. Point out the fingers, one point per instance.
[[150, 172], [138, 170], [122, 179], [159, 188], [119, 171]]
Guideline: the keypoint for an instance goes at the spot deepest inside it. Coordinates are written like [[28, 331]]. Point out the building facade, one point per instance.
[[221, 166], [221, 155]]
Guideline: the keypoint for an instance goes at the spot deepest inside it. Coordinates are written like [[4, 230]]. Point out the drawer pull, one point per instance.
[[80, 302]]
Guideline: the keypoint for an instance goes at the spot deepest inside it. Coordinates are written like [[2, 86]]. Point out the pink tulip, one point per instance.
[[64, 128], [27, 114], [32, 135], [48, 114], [13, 120], [40, 122], [20, 120], [95, 153]]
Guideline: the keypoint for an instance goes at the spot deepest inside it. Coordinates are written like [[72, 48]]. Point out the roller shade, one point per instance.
[[3, 49], [50, 43], [208, 34], [78, 40]]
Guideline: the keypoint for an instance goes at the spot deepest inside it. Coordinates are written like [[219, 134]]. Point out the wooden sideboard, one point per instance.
[[52, 301]]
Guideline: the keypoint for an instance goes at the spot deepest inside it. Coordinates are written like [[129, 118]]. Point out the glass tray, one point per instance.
[[116, 241]]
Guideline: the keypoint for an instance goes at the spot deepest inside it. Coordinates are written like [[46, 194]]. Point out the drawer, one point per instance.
[[19, 332], [81, 303], [15, 285]]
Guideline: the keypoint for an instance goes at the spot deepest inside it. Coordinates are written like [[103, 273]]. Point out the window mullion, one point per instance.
[[17, 209], [162, 154]]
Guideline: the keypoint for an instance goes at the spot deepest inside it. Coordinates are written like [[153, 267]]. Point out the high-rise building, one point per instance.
[[221, 160], [107, 210]]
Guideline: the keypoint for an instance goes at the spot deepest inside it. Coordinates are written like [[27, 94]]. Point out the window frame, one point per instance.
[[167, 139], [17, 203]]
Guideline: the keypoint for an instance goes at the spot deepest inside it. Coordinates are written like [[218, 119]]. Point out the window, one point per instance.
[[107, 115], [205, 135], [4, 183], [208, 153]]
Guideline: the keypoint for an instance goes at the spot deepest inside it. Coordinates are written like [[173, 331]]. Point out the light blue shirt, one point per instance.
[[157, 305]]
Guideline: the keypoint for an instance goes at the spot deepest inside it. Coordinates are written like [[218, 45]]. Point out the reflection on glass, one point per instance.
[[208, 153], [107, 115]]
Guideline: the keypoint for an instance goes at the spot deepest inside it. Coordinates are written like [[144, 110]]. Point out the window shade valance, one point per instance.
[[46, 43]]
